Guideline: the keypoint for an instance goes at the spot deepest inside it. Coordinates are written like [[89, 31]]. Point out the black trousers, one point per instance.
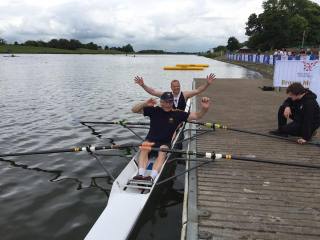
[[293, 128]]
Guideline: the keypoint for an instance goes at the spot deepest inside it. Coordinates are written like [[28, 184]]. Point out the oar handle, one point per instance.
[[209, 155], [210, 125]]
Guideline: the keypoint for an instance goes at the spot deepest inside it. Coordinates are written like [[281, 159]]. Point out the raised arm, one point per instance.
[[139, 80], [205, 104], [138, 108], [210, 78]]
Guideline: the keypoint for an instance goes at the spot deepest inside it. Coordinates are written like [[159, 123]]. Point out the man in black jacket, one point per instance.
[[301, 106]]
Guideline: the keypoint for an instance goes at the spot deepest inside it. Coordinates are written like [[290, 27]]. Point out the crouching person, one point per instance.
[[302, 108]]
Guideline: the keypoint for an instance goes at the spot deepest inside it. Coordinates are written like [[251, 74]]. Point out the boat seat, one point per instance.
[[142, 182], [139, 184], [137, 187]]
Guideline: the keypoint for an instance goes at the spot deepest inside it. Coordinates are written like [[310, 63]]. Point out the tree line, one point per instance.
[[71, 44], [74, 44], [282, 24]]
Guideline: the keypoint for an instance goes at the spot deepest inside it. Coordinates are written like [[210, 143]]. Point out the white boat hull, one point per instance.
[[124, 205]]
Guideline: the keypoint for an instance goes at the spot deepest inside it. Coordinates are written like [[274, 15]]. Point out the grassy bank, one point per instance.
[[265, 70], [14, 49]]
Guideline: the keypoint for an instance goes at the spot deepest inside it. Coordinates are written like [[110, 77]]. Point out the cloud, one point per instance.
[[180, 25]]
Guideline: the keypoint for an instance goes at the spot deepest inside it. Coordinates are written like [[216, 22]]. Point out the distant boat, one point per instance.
[[192, 65], [182, 68], [12, 55]]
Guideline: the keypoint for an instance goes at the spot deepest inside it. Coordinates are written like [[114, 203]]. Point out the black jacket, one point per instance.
[[306, 112], [181, 103]]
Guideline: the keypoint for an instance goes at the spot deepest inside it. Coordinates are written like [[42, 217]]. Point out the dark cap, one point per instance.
[[167, 96]]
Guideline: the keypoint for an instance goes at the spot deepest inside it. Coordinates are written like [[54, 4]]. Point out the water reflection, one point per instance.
[[58, 176]]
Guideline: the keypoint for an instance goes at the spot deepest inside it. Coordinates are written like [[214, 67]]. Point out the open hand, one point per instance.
[[151, 102], [301, 141], [139, 80], [205, 102], [287, 112], [210, 78]]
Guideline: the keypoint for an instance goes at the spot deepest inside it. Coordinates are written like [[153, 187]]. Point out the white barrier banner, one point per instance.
[[315, 81], [290, 71]]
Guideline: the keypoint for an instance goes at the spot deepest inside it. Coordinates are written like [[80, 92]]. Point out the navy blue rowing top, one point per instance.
[[163, 124]]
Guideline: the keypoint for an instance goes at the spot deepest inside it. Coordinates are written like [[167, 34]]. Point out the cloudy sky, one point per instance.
[[172, 25]]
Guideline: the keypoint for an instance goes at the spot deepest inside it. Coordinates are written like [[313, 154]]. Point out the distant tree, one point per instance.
[[283, 23], [31, 43], [63, 43], [2, 41], [91, 45], [127, 48], [116, 48], [233, 44], [220, 48], [297, 25], [254, 25], [41, 44], [245, 43], [74, 44], [152, 51], [16, 43], [106, 47], [53, 43]]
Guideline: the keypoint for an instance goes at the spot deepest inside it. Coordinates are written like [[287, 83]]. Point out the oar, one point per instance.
[[182, 173], [210, 157], [120, 122], [89, 148], [221, 126], [214, 156]]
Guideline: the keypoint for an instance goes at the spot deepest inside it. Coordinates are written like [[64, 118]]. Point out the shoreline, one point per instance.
[[13, 49], [265, 70], [20, 49]]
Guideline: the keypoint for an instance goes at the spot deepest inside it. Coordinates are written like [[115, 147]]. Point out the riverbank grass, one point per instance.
[[15, 49]]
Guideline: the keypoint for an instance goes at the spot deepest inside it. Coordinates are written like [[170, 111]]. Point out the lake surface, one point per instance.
[[42, 100]]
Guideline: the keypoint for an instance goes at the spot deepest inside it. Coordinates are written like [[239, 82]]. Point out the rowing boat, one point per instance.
[[192, 65], [182, 68], [126, 201]]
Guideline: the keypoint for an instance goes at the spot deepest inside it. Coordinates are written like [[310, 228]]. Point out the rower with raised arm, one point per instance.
[[179, 97], [164, 120]]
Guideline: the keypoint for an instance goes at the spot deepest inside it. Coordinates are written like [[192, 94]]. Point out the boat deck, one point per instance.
[[230, 199]]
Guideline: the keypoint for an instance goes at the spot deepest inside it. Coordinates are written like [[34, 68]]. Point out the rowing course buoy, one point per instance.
[[192, 65], [182, 68]]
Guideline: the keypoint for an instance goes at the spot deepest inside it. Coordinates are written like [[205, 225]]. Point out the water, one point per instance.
[[42, 100]]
